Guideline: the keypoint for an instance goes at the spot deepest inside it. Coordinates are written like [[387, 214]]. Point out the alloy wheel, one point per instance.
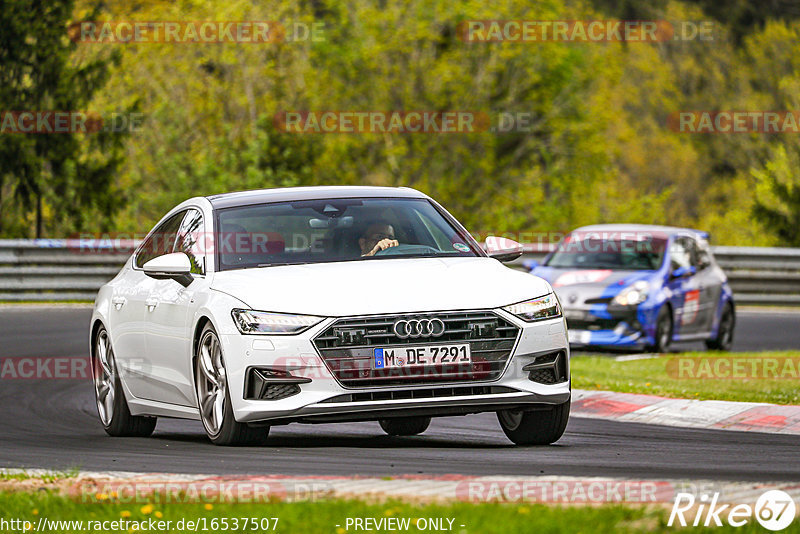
[[211, 383], [104, 378]]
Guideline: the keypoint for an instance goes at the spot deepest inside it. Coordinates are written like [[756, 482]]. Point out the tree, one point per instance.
[[778, 195], [72, 173]]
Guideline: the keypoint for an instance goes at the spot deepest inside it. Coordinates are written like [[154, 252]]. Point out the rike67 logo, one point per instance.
[[774, 510]]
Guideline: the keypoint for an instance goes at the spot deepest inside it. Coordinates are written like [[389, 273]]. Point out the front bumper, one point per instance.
[[323, 398], [601, 325]]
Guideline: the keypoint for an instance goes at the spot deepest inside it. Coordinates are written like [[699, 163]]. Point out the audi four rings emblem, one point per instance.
[[414, 328]]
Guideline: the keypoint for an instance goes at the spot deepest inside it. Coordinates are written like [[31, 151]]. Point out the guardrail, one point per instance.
[[62, 270]]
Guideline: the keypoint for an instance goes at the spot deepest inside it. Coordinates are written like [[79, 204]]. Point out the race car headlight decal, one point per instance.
[[259, 322], [546, 307], [636, 294]]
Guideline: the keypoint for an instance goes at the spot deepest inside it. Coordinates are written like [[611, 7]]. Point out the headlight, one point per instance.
[[546, 307], [259, 322], [636, 294]]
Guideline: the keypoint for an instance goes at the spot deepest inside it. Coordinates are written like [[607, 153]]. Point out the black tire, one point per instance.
[[540, 427], [405, 426], [230, 432], [724, 337], [664, 329], [119, 422]]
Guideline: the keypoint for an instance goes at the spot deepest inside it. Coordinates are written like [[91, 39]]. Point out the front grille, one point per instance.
[[602, 300], [347, 348], [403, 394]]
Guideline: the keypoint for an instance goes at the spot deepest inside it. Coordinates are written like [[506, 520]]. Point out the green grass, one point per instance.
[[47, 477], [651, 376], [324, 516]]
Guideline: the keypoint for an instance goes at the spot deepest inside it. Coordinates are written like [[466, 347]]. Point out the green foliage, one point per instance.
[[598, 148], [778, 194], [72, 173]]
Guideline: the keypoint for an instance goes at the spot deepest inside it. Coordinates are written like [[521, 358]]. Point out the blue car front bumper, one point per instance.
[[602, 326]]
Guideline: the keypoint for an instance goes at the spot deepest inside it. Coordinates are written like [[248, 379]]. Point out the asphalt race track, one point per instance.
[[53, 424]]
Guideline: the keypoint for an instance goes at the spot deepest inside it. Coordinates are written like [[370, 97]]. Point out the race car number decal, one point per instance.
[[691, 304]]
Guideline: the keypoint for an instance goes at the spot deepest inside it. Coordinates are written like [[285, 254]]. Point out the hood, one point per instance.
[[575, 286], [381, 286]]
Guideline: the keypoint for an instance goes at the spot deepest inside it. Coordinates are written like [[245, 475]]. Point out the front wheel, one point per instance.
[[724, 338], [540, 427], [405, 426], [111, 404], [213, 396], [664, 328]]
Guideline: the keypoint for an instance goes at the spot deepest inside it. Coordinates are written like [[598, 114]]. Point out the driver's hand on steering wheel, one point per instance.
[[383, 244]]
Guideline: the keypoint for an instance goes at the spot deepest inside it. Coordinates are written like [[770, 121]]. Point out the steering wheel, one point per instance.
[[401, 250]]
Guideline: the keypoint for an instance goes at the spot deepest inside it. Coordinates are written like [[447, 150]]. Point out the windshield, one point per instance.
[[316, 231], [632, 251]]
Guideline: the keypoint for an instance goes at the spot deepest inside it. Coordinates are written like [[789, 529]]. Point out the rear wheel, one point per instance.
[[405, 426], [664, 327], [213, 396], [724, 338], [540, 427], [110, 398]]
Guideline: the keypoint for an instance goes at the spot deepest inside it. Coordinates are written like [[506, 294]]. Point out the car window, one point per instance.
[[627, 251], [703, 255], [313, 231], [681, 253], [190, 240], [160, 241]]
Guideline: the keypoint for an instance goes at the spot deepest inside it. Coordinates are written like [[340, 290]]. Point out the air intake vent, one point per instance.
[[269, 384], [548, 368]]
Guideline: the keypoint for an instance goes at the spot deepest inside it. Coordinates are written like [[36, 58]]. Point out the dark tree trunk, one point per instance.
[[38, 215]]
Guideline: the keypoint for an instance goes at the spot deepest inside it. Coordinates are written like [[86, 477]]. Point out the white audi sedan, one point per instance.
[[324, 304]]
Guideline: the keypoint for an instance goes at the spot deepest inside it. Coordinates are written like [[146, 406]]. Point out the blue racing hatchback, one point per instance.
[[640, 286]]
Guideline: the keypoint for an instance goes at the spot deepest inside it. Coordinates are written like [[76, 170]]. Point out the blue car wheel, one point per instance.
[[663, 334]]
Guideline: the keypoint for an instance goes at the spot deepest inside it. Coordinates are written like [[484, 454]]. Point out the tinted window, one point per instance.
[[190, 240], [703, 255], [314, 231], [160, 241], [682, 253], [624, 251]]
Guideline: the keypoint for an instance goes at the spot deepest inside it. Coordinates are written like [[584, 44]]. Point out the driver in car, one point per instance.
[[378, 236]]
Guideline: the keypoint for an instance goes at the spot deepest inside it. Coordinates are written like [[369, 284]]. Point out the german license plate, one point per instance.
[[394, 357]]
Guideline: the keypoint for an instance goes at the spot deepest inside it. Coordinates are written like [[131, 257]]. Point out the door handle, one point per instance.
[[118, 302], [151, 303]]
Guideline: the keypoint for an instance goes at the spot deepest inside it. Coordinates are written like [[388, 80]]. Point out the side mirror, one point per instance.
[[682, 272], [530, 264], [175, 266], [503, 249]]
